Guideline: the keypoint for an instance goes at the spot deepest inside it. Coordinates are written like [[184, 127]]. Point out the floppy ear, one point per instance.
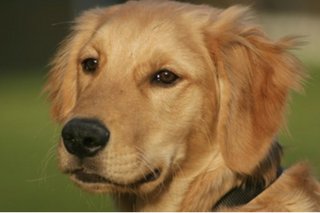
[[255, 76], [62, 80]]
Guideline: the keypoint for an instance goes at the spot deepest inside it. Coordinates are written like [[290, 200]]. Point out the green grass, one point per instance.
[[31, 181]]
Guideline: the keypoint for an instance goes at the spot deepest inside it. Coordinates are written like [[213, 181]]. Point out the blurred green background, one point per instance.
[[30, 32]]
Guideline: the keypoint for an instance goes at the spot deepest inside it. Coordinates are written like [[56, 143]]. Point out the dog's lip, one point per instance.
[[92, 178], [89, 177]]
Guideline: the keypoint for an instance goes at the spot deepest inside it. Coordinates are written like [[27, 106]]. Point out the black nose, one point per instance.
[[84, 137]]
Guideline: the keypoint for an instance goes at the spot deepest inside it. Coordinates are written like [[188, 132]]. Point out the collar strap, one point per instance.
[[243, 194]]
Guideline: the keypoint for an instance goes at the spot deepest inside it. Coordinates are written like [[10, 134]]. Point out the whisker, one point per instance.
[[48, 157], [41, 179], [50, 154], [142, 157]]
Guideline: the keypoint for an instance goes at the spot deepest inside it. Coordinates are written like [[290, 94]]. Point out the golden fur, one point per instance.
[[208, 133]]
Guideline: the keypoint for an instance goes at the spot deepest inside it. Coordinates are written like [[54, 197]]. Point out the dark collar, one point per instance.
[[244, 194]]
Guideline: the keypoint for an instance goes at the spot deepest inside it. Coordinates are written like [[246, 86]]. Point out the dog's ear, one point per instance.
[[62, 80], [255, 76]]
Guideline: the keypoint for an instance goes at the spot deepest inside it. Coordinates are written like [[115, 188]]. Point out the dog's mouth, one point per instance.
[[92, 178]]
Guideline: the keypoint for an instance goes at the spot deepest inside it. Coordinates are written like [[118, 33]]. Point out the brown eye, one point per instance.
[[164, 77], [90, 65]]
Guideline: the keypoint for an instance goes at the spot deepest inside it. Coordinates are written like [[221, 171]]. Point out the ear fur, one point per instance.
[[255, 76], [62, 80], [61, 84]]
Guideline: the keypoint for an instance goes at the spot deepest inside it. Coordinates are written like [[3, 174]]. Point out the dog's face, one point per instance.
[[141, 82], [142, 89]]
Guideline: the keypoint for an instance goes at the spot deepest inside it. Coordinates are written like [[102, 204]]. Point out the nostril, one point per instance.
[[91, 143], [91, 146], [84, 137]]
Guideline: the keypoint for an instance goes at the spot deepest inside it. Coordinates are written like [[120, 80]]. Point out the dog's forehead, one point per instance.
[[138, 29]]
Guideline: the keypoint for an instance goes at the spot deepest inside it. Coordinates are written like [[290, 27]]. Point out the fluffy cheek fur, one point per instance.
[[176, 119]]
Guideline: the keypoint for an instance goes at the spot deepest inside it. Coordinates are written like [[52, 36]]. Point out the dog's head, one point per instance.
[[148, 89]]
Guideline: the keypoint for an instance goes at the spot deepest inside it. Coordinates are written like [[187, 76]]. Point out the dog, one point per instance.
[[170, 106]]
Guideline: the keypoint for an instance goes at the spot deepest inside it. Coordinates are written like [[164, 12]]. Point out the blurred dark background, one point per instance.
[[31, 30], [30, 33]]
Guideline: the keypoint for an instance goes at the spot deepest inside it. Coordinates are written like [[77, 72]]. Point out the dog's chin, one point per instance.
[[99, 184]]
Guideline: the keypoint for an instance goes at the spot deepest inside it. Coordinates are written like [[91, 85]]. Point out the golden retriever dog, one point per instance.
[[170, 106]]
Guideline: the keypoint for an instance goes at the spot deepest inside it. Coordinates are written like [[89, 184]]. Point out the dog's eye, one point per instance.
[[164, 77], [90, 65]]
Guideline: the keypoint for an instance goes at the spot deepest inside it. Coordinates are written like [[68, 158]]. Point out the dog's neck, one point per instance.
[[201, 189]]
